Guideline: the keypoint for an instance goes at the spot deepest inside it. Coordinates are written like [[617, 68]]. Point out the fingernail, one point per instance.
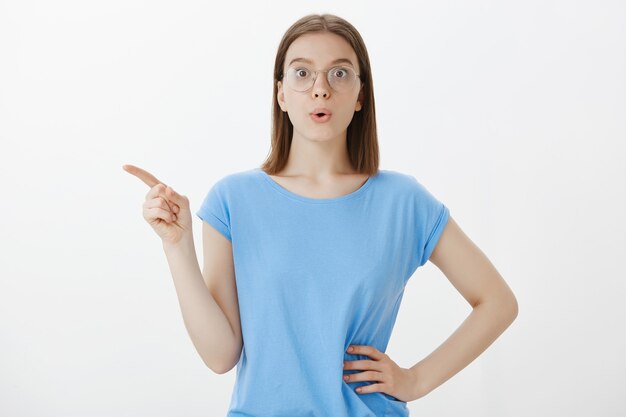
[[350, 349], [346, 377]]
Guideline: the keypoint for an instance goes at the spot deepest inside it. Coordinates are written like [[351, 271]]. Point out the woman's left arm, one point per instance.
[[493, 303]]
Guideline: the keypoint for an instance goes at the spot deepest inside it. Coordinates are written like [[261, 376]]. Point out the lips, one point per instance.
[[320, 119], [320, 114], [321, 111]]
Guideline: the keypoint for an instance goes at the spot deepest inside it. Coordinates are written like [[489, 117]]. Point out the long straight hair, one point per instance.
[[361, 136]]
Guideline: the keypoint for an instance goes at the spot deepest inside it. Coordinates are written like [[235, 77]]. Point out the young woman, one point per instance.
[[306, 257]]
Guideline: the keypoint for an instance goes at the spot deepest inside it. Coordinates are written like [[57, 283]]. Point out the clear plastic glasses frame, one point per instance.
[[297, 81]]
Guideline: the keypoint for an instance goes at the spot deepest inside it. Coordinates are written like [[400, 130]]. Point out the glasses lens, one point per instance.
[[339, 78], [300, 79]]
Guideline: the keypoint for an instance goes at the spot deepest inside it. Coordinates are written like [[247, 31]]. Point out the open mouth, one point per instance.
[[320, 117]]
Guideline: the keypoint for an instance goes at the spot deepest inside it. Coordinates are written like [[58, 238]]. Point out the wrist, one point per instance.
[[420, 383], [185, 244]]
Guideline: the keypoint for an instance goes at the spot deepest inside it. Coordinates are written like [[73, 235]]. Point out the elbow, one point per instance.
[[215, 367], [227, 358], [508, 307], [219, 369], [223, 366], [514, 308], [505, 306]]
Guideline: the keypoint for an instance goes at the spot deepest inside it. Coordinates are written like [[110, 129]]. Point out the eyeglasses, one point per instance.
[[340, 79]]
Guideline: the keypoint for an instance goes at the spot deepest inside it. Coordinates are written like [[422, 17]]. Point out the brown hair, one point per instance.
[[361, 136]]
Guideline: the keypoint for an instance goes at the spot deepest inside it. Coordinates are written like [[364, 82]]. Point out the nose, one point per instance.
[[320, 86]]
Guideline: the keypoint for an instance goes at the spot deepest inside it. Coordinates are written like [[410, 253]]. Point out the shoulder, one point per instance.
[[399, 181], [235, 180], [406, 188]]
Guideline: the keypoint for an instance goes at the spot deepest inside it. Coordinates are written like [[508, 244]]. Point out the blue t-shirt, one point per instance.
[[313, 277]]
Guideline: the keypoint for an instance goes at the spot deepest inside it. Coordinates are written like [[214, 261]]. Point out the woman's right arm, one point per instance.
[[210, 309]]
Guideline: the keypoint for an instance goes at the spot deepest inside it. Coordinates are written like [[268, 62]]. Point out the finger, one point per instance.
[[361, 365], [143, 175], [156, 191], [179, 200], [173, 199], [159, 213], [367, 350], [364, 376], [158, 201], [157, 198], [168, 205], [370, 388]]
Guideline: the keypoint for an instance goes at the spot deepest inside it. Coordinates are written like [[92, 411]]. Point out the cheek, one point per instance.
[[290, 101], [350, 107], [343, 118], [295, 105], [294, 111]]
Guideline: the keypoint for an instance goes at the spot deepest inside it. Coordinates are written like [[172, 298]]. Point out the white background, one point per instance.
[[511, 113]]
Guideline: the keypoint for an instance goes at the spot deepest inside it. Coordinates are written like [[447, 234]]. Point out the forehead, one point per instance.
[[321, 49]]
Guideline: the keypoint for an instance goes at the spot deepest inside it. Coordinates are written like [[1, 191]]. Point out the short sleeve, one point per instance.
[[430, 218], [215, 211]]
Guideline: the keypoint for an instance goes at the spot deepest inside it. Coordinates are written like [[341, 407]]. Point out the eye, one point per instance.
[[301, 72], [340, 72]]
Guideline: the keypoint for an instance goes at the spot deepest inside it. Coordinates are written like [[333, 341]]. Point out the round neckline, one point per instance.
[[311, 200]]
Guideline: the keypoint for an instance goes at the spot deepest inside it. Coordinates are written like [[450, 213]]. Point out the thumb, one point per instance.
[[180, 200]]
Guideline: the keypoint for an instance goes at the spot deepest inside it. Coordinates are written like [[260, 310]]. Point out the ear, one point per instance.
[[359, 101], [280, 97]]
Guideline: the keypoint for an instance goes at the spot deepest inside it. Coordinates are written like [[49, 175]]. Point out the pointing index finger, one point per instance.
[[143, 175]]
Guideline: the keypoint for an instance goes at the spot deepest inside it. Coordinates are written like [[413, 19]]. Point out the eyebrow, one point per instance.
[[336, 61]]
